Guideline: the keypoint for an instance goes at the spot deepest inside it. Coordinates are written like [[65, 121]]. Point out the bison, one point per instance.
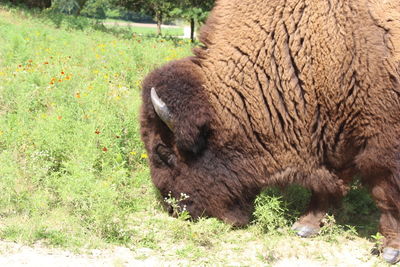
[[281, 92]]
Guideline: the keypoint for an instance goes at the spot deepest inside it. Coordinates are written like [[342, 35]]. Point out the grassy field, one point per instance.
[[74, 173]]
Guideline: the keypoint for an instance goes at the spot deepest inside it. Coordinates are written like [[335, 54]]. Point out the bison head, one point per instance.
[[183, 143]]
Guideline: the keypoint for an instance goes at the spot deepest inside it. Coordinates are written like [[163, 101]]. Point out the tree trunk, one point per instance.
[[81, 4], [159, 18], [192, 24]]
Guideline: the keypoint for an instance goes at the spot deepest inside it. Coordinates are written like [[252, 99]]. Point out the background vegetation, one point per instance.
[[73, 171], [192, 11]]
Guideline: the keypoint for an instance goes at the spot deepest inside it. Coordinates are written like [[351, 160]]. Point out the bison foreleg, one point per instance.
[[310, 223], [386, 194], [379, 164]]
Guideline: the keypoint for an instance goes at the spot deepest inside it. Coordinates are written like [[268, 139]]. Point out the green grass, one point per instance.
[[69, 132], [74, 172]]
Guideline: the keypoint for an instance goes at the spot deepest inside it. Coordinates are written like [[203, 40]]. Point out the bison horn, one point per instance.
[[161, 109]]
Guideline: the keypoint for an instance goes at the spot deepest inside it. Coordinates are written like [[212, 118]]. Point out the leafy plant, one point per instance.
[[270, 212]]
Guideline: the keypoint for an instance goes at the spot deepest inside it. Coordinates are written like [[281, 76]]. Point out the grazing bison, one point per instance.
[[281, 92]]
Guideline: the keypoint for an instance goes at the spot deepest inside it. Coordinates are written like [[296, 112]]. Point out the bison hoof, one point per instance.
[[305, 230], [391, 255]]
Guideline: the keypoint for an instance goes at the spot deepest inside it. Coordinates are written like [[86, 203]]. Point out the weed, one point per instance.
[[378, 239], [331, 231], [178, 210], [53, 237], [270, 212]]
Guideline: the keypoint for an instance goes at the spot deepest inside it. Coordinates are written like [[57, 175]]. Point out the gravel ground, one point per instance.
[[351, 253], [13, 254]]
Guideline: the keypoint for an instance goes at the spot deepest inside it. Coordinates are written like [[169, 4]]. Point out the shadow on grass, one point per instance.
[[359, 211]]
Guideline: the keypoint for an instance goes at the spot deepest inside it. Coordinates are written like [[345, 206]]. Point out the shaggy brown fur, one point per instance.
[[288, 91]]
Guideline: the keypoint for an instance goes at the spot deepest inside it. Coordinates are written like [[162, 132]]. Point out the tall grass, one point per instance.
[[69, 132]]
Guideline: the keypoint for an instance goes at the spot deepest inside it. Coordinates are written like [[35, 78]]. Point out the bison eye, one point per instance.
[[166, 155]]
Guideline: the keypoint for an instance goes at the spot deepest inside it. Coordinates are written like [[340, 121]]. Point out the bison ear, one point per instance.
[[192, 133]]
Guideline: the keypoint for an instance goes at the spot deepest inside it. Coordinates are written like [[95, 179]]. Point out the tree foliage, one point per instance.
[[159, 9], [193, 11], [69, 6], [33, 3], [97, 8]]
